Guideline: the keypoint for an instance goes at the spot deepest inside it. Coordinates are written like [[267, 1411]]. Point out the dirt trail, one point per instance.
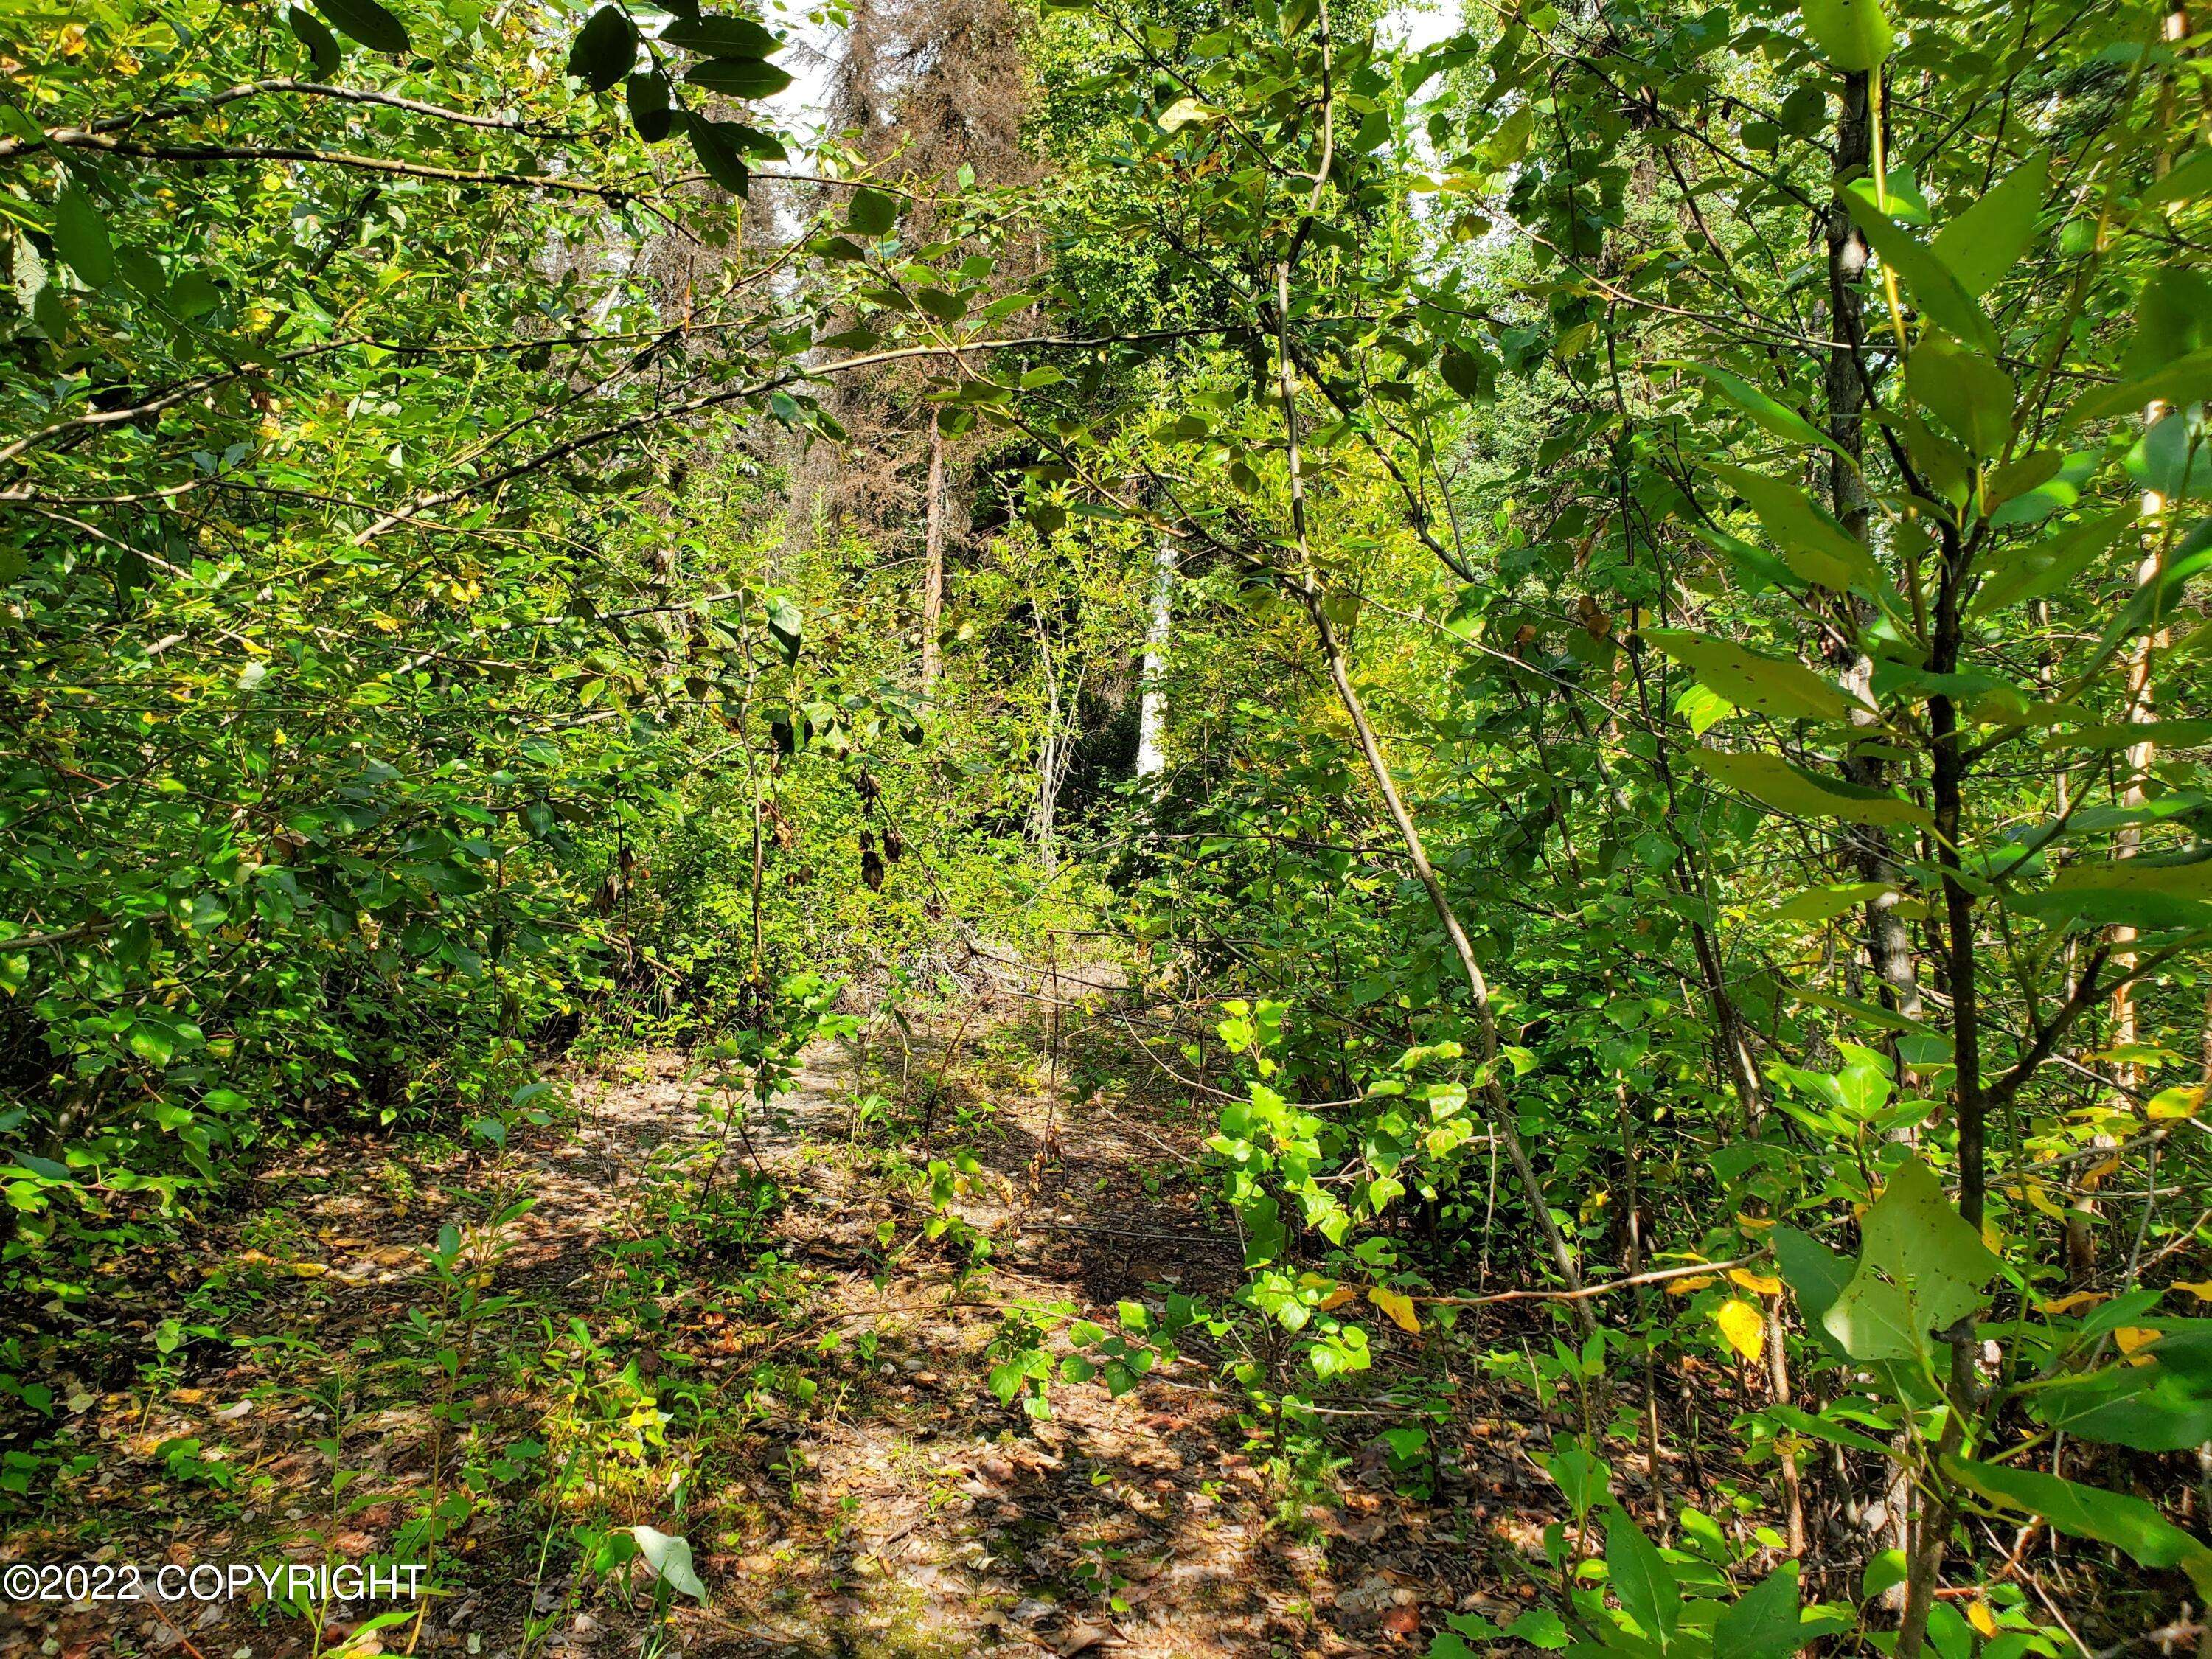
[[872, 1497], [930, 1517]]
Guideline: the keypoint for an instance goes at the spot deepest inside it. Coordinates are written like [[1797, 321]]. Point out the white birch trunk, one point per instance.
[[1153, 710]]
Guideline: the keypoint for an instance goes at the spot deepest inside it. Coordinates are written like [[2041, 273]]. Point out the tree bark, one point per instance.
[[1889, 947], [933, 558], [1151, 710]]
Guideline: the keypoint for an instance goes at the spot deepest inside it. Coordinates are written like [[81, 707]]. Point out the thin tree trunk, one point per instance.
[[1889, 947], [1931, 1531], [1151, 713], [1501, 1114], [933, 558]]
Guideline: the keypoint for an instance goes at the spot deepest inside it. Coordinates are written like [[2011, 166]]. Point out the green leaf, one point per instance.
[[1883, 1572], [1965, 391], [2186, 379], [81, 238], [1789, 787], [870, 214], [2189, 180], [1583, 1478], [669, 1557], [717, 155], [323, 51], [2050, 565], [784, 621], [1821, 903], [1854, 35], [368, 22], [646, 96], [1187, 112], [1773, 685], [2013, 502], [1988, 239], [2110, 1517], [1641, 1579], [1540, 1627], [1774, 417], [2147, 1408], [604, 48], [1939, 293], [1763, 1624], [720, 36], [2174, 315], [738, 77], [1471, 374], [1815, 1273], [1813, 545], [2145, 892], [945, 307], [1921, 1269], [1819, 1428]]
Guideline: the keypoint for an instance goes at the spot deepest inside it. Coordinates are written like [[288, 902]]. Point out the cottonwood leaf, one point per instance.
[[1790, 788], [718, 156], [1921, 1269], [2186, 379], [604, 48], [738, 77], [1941, 296], [1966, 390], [368, 22], [1988, 239], [81, 238], [1852, 35], [1770, 413], [720, 36], [1813, 545], [324, 53], [1773, 685], [1641, 1579], [870, 214], [2145, 892], [1822, 904], [647, 96], [2048, 566], [2084, 1511], [1763, 1624]]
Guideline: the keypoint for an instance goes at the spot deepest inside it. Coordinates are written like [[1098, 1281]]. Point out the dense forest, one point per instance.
[[1263, 827]]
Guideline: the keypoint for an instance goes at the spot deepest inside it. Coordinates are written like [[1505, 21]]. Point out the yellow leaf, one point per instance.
[[1742, 1323], [2132, 1337], [2066, 1304], [1764, 1283], [2199, 1288], [1753, 1224], [1979, 1616], [310, 1269], [2176, 1103], [1688, 1286], [1337, 1297], [2040, 1197], [1992, 1238], [1398, 1306]]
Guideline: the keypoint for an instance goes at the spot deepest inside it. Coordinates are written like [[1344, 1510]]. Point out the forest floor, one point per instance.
[[854, 1486]]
